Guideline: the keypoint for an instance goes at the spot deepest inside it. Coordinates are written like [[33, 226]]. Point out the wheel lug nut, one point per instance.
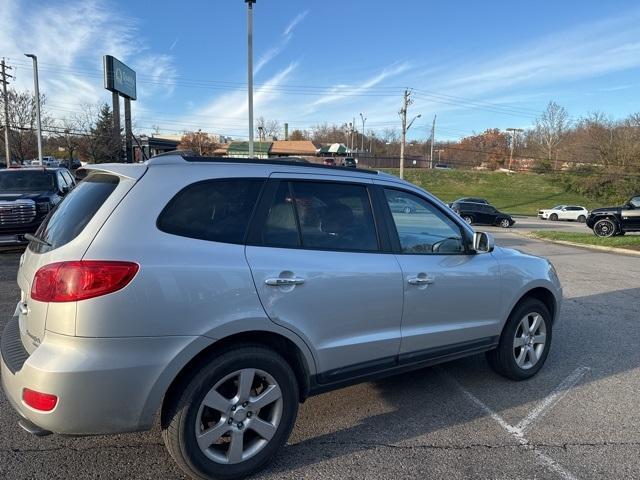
[[240, 425], [230, 421], [245, 404], [233, 408], [249, 414]]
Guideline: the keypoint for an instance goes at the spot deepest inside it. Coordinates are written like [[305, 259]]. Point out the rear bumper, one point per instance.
[[103, 385]]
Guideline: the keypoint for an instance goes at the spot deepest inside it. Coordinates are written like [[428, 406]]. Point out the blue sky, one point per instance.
[[474, 64]]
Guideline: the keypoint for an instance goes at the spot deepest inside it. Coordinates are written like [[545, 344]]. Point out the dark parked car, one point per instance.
[[471, 199], [26, 197], [610, 221], [482, 214], [349, 162]]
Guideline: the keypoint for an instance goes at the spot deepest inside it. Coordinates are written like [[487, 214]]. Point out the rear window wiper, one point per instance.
[[39, 241]]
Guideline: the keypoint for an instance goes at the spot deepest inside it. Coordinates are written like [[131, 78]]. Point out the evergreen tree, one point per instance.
[[102, 145]]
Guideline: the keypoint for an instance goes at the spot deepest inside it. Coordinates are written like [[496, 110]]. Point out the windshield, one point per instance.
[[27, 181]]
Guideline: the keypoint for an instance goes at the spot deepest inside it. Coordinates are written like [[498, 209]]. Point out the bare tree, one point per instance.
[[269, 128], [22, 123], [550, 130]]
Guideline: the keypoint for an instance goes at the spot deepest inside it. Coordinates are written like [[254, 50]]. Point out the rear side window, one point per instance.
[[214, 210], [69, 217], [322, 216]]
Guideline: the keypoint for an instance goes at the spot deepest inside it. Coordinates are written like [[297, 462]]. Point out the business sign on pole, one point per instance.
[[119, 78]]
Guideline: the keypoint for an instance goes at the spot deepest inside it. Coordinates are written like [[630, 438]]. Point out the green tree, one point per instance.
[[102, 144]]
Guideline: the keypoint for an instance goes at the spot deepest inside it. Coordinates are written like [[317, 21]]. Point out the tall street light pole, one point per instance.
[[37, 92], [250, 70], [514, 132], [364, 119]]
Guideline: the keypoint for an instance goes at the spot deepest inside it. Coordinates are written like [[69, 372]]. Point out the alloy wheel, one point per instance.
[[604, 228], [238, 417], [504, 223], [530, 340], [468, 219]]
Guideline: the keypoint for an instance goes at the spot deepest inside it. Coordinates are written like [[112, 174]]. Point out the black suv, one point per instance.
[[610, 221], [482, 214], [26, 197]]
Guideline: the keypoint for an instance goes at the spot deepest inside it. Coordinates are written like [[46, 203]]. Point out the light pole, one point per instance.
[[514, 132], [364, 119], [250, 70], [37, 92]]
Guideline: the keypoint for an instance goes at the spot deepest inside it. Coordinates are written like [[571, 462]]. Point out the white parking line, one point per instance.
[[553, 398], [516, 432]]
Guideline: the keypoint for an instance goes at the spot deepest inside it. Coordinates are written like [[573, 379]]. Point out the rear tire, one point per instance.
[[521, 353], [553, 216], [582, 219], [210, 410], [468, 219]]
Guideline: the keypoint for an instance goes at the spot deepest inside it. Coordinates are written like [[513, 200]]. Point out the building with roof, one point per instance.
[[241, 149], [293, 148]]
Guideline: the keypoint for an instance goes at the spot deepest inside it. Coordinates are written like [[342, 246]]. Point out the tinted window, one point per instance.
[[635, 201], [27, 181], [69, 178], [280, 229], [427, 230], [321, 215], [215, 210], [69, 217], [335, 216]]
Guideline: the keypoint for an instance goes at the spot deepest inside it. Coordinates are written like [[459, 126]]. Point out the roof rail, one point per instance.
[[189, 156]]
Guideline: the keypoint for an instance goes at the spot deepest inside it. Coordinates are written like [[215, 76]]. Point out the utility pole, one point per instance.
[[433, 139], [364, 119], [406, 101], [5, 96], [514, 132], [37, 92], [250, 70], [353, 135]]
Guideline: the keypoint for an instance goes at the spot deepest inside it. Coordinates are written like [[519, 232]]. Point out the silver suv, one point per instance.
[[217, 294]]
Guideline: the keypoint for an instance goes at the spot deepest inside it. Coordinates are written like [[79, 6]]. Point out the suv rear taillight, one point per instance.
[[44, 402], [80, 280]]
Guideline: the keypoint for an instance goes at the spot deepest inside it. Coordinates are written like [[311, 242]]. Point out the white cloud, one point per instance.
[[294, 23], [69, 39], [287, 34]]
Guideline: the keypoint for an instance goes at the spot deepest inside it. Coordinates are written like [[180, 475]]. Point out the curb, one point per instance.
[[620, 251]]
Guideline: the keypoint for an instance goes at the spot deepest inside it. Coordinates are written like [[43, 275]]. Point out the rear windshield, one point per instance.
[[27, 181], [69, 217]]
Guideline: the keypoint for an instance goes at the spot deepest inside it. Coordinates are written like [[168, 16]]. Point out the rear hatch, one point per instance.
[[66, 235]]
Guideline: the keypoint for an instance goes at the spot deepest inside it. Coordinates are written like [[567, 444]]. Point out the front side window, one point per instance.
[[635, 201], [214, 210], [321, 215], [427, 230]]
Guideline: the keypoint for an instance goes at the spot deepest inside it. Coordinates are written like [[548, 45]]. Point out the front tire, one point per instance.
[[524, 342], [505, 223], [553, 217], [604, 228], [230, 418], [468, 219]]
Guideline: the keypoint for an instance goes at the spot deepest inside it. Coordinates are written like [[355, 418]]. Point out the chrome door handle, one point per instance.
[[283, 282], [420, 281]]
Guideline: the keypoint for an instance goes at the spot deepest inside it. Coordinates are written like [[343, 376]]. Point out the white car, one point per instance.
[[565, 212]]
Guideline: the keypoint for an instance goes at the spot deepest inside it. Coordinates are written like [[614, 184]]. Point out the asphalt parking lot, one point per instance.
[[578, 419]]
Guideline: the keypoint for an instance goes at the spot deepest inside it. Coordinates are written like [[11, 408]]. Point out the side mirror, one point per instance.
[[483, 242], [64, 190]]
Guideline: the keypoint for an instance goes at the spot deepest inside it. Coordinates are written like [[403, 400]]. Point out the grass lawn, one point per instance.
[[630, 242], [517, 194]]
